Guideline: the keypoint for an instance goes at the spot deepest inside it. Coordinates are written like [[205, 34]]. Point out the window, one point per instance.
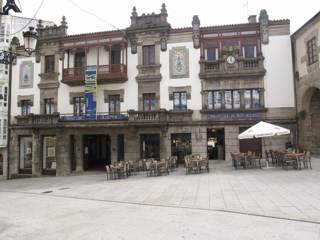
[[49, 153], [79, 60], [247, 99], [49, 64], [312, 51], [228, 99], [149, 102], [148, 55], [5, 96], [252, 99], [48, 106], [150, 146], [180, 101], [78, 106], [114, 104], [212, 53], [256, 99], [25, 152], [249, 51], [214, 100], [4, 131], [25, 107], [236, 99], [120, 147], [217, 100], [115, 56]]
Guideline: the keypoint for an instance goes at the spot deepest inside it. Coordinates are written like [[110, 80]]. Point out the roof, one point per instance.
[[180, 30], [306, 24]]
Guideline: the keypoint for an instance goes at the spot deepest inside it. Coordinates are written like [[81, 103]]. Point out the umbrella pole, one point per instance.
[[264, 148]]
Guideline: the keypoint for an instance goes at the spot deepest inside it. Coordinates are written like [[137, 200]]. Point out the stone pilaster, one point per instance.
[[79, 153], [63, 154], [36, 154]]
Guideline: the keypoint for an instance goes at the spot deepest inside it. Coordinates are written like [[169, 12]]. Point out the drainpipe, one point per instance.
[[294, 69]]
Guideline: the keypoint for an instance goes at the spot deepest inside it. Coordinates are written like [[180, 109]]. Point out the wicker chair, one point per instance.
[[307, 160]]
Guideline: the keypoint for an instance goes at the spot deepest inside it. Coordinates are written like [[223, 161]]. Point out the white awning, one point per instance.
[[263, 129]]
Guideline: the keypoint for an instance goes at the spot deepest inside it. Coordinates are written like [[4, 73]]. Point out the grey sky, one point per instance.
[[180, 13]]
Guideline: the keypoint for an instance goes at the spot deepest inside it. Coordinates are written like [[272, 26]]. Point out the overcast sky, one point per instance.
[[210, 12]]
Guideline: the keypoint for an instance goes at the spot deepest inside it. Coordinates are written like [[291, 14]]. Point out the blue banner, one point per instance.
[[91, 92]]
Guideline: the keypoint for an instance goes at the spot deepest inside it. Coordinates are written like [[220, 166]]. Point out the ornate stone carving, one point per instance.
[[133, 43], [196, 31], [163, 42], [264, 30]]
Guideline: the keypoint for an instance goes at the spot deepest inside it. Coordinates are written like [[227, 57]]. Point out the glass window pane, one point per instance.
[[153, 102], [217, 100], [247, 99], [255, 99], [228, 99], [49, 153], [211, 54], [236, 99], [249, 51], [210, 100], [183, 101], [176, 100], [25, 149]]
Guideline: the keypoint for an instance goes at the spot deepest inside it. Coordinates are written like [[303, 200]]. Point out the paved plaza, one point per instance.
[[224, 204]]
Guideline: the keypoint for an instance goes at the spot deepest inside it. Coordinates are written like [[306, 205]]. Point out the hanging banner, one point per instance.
[[91, 92]]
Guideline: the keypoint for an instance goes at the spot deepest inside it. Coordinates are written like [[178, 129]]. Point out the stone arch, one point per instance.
[[310, 120]]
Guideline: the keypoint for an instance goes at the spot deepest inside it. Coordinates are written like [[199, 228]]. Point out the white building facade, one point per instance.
[[10, 26], [160, 92]]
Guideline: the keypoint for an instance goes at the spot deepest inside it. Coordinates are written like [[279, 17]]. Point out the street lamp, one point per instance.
[[7, 57]]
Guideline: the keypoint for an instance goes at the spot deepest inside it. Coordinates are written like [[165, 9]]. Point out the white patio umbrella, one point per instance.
[[263, 129]]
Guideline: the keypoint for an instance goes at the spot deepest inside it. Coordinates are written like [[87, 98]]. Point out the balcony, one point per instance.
[[122, 116], [243, 67], [115, 73], [148, 116], [36, 120]]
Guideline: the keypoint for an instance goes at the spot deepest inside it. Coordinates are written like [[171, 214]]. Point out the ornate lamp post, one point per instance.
[[7, 57]]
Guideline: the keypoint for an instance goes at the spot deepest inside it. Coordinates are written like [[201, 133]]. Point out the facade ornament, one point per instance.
[[40, 25], [264, 30], [133, 43], [163, 42], [38, 56], [196, 31], [163, 9], [64, 21]]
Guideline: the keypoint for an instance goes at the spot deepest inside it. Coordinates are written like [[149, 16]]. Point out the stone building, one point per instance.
[[306, 50], [150, 91]]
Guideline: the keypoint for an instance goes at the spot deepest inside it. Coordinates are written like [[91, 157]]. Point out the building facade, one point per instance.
[[306, 52], [10, 26], [159, 91]]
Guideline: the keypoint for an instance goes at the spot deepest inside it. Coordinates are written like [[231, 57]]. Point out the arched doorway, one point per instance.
[[310, 121]]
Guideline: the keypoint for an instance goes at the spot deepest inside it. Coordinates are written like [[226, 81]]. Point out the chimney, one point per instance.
[[252, 19]]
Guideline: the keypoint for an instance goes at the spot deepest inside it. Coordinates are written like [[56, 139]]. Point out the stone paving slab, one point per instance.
[[33, 216], [269, 192]]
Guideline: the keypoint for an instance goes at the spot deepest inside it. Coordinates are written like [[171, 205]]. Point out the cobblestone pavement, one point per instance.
[[224, 204]]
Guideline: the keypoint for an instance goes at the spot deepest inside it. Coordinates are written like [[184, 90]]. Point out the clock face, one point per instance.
[[231, 59]]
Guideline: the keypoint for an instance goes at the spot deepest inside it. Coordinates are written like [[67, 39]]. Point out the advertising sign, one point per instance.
[[91, 92]]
